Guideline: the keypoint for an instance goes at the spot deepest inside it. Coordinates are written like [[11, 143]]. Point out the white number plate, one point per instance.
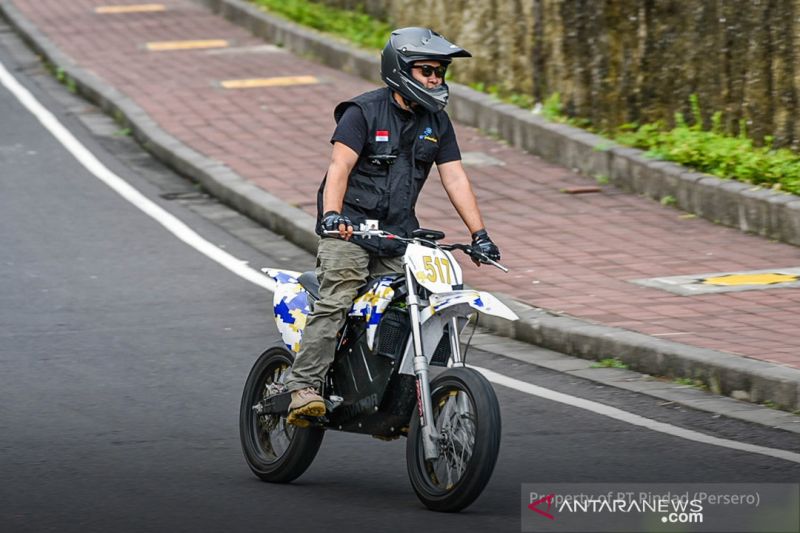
[[434, 269]]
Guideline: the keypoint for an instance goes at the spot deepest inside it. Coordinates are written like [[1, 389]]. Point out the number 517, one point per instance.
[[441, 270]]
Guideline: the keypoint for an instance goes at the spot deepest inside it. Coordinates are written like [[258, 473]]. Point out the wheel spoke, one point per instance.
[[273, 437], [453, 416], [466, 421]]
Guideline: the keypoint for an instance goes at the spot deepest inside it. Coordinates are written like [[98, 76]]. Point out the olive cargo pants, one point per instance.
[[342, 269]]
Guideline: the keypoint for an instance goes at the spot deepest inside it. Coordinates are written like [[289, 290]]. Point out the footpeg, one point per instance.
[[332, 402], [273, 405]]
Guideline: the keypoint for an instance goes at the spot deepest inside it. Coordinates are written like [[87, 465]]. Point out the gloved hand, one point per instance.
[[335, 221], [482, 242]]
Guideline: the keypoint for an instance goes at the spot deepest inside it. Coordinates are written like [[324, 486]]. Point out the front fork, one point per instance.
[[430, 438]]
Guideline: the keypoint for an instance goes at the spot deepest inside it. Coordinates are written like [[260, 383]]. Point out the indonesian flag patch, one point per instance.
[[382, 136]]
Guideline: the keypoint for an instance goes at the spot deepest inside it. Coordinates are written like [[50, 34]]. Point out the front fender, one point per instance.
[[443, 307], [481, 301]]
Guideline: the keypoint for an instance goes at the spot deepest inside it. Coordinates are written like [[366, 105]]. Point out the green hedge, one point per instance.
[[354, 26], [711, 151]]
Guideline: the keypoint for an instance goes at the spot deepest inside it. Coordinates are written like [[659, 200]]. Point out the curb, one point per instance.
[[742, 378], [724, 373]]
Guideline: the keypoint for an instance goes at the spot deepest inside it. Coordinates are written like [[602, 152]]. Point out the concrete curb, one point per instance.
[[724, 373], [743, 378], [670, 392]]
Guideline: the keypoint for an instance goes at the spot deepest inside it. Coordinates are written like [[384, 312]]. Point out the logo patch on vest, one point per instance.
[[382, 136], [427, 135]]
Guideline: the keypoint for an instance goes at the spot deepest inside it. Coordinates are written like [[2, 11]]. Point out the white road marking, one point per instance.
[[93, 165], [630, 418], [238, 267]]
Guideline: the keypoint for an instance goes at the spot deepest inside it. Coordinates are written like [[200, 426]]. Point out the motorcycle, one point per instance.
[[379, 385]]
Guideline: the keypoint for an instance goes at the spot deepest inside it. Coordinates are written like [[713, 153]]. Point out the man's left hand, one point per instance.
[[335, 221]]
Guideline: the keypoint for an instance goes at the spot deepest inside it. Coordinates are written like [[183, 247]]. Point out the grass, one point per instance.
[[708, 150], [355, 26], [525, 101], [610, 362], [714, 152], [772, 405], [62, 77], [689, 382]]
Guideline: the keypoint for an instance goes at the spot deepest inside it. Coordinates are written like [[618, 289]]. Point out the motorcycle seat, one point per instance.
[[310, 283], [308, 280]]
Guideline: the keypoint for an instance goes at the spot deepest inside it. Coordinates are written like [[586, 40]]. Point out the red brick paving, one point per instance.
[[572, 254]]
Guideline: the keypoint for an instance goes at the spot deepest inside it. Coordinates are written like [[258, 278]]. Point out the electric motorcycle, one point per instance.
[[379, 385]]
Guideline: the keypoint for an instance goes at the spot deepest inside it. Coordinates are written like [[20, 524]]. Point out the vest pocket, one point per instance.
[[374, 168], [360, 199]]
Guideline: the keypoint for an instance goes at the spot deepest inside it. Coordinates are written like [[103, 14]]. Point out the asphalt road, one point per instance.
[[123, 352]]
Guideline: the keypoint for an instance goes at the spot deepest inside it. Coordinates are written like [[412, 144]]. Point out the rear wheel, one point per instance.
[[467, 420], [275, 451]]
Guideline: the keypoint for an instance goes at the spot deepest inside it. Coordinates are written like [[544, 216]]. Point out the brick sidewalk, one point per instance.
[[571, 254]]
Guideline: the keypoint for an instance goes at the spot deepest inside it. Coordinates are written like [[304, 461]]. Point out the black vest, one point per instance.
[[384, 185]]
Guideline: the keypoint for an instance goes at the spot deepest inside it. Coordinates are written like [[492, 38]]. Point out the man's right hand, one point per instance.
[[335, 221], [482, 241]]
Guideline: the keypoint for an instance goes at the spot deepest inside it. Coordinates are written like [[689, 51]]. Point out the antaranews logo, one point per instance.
[[660, 507], [534, 506], [671, 508]]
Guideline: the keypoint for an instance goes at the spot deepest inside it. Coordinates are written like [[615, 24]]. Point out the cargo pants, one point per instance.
[[342, 269]]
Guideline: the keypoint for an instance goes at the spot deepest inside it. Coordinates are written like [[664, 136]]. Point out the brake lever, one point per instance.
[[495, 263], [475, 254]]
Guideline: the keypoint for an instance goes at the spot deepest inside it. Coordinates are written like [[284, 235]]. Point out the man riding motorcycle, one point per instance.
[[384, 146]]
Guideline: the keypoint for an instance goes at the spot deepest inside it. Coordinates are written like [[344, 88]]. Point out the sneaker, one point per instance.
[[305, 402]]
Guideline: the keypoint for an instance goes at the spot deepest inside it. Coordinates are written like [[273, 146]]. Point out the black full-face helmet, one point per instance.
[[407, 45]]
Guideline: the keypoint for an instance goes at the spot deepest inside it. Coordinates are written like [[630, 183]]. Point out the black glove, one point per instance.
[[332, 219], [482, 243]]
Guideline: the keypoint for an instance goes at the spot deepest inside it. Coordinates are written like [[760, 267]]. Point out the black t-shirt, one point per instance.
[[352, 131]]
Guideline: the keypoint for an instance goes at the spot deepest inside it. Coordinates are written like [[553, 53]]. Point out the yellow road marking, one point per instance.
[[186, 45], [280, 81], [136, 8], [751, 279]]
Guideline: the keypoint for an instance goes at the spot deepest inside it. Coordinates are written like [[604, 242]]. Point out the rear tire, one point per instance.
[[275, 451], [467, 419]]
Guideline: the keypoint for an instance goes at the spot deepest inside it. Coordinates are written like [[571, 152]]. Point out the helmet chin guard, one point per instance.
[[404, 48]]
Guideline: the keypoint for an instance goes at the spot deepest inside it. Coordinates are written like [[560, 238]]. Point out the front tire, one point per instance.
[[467, 420], [274, 450]]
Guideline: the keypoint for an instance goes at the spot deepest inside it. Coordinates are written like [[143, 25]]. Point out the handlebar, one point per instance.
[[467, 249]]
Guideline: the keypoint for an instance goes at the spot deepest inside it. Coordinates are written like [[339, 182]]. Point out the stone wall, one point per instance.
[[619, 61]]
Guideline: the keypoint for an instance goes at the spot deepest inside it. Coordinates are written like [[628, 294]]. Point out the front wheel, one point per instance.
[[275, 451], [467, 420]]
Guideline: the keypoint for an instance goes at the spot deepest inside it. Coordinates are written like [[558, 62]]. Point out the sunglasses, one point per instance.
[[427, 70]]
